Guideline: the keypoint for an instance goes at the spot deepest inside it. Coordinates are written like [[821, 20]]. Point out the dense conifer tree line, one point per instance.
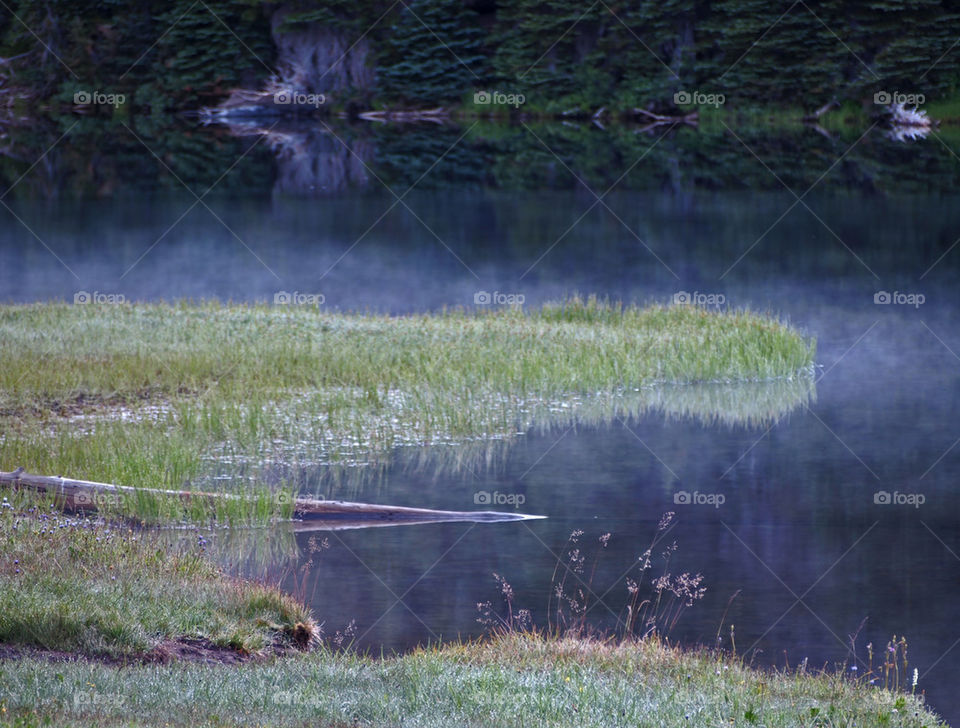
[[561, 55]]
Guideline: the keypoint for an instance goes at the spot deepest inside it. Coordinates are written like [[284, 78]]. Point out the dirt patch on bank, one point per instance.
[[180, 649]]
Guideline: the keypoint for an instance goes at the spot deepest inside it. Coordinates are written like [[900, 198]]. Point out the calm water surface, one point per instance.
[[802, 536]]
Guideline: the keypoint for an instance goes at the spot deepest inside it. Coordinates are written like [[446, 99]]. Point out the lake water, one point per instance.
[[803, 534]]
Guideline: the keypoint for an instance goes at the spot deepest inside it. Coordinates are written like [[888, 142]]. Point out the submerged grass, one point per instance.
[[149, 395]]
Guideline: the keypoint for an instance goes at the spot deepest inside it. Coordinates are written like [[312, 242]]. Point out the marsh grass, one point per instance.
[[368, 361], [892, 668], [97, 589], [680, 686], [58, 352], [161, 396], [653, 606]]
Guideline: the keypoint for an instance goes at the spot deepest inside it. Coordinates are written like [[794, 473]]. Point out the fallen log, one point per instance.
[[85, 495], [315, 524]]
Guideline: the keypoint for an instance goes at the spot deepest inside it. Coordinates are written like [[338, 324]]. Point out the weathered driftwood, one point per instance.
[[437, 116], [817, 128], [72, 494], [691, 119], [821, 111]]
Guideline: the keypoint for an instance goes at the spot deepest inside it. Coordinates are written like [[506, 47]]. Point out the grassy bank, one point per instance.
[[120, 616], [92, 588], [516, 680], [151, 395]]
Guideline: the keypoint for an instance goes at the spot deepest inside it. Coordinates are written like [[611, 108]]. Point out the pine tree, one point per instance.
[[657, 48], [432, 54], [560, 54], [910, 46], [773, 54], [209, 49], [550, 52]]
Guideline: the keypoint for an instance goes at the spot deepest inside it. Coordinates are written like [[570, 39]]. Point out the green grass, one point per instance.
[[98, 590], [946, 110], [94, 588], [153, 395], [56, 353], [512, 680]]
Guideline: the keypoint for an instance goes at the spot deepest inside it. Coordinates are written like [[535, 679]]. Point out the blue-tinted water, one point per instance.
[[802, 536]]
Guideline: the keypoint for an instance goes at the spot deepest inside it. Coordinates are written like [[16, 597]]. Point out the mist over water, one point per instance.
[[804, 531]]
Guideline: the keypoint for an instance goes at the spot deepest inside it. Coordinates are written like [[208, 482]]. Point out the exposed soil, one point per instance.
[[181, 649]]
